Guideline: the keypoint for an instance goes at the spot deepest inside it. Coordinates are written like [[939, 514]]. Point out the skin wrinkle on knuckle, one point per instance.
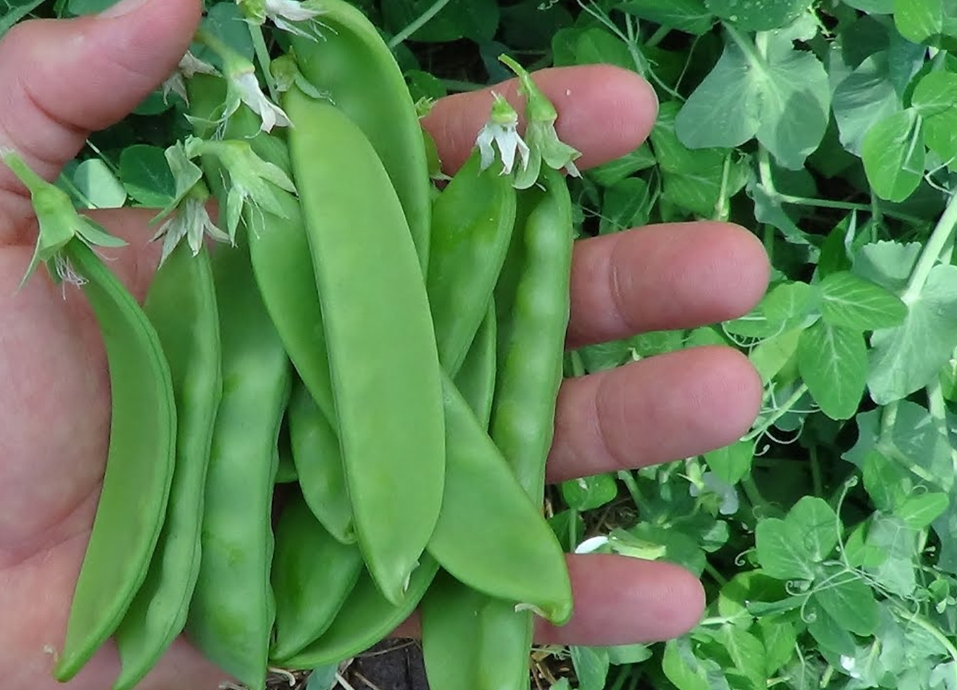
[[609, 413]]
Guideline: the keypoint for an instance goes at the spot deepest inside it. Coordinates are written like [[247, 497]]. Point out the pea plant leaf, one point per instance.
[[690, 16], [12, 11], [864, 97], [687, 671], [748, 15], [905, 358], [933, 22], [894, 155], [849, 301], [833, 363], [935, 99], [848, 599], [781, 96]]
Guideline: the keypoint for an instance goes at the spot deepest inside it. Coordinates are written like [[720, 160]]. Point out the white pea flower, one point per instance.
[[244, 87], [540, 133], [189, 66], [285, 14], [501, 130], [251, 180], [191, 222]]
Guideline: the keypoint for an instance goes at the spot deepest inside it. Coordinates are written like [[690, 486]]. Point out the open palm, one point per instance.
[[60, 80]]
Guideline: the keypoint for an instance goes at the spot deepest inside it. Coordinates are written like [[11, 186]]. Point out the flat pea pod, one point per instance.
[[280, 254], [470, 640], [476, 378], [181, 305], [355, 67], [318, 461], [139, 466], [533, 343], [472, 222], [365, 619], [490, 535], [233, 609], [386, 378], [312, 576]]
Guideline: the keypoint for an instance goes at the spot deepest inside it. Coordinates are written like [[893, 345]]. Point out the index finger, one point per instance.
[[603, 111]]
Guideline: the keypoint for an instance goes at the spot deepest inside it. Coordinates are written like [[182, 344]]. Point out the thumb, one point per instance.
[[60, 80]]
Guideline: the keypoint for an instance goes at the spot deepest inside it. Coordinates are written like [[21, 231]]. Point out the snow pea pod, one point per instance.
[[469, 640], [181, 305], [476, 378], [365, 619], [232, 611], [490, 535], [472, 222], [380, 339], [318, 461], [139, 466], [533, 346], [355, 67], [312, 576]]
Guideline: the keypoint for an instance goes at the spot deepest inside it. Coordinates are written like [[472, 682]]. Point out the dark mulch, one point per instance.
[[391, 665]]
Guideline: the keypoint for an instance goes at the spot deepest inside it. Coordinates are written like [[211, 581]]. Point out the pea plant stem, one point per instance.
[[767, 181], [768, 422], [932, 630], [422, 20], [935, 246], [262, 54]]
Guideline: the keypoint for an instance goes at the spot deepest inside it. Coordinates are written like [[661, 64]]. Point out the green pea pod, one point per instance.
[[312, 576], [379, 337], [476, 378], [472, 222], [355, 67], [318, 460], [470, 640], [365, 619], [490, 535], [278, 248], [533, 342], [232, 612], [281, 261], [181, 305], [139, 466], [532, 338]]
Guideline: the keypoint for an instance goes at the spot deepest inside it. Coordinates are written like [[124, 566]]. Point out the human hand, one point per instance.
[[60, 80]]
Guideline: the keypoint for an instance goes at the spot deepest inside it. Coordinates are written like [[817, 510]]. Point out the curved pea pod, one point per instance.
[[490, 535], [355, 67], [233, 609], [312, 576], [139, 466], [472, 641], [365, 619], [318, 461], [476, 378], [386, 378], [472, 222], [181, 304]]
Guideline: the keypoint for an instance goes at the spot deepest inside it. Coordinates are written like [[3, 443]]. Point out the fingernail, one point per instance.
[[122, 8]]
